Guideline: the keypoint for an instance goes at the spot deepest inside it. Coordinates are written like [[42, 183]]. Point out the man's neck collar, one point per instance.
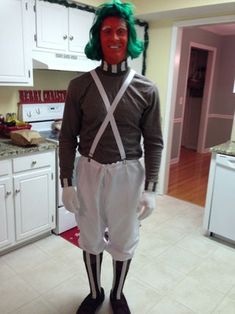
[[114, 68]]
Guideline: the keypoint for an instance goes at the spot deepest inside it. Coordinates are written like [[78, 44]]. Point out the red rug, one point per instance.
[[71, 235]]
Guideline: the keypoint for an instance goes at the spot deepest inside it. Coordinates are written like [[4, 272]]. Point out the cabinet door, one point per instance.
[[51, 25], [80, 22], [34, 202], [15, 53], [7, 225]]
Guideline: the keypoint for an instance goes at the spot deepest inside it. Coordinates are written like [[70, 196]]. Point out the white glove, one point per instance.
[[70, 199], [146, 205]]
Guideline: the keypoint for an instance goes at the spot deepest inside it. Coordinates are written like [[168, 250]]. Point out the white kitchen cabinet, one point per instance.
[[51, 26], [7, 233], [34, 188], [28, 191], [15, 52], [80, 22], [61, 28]]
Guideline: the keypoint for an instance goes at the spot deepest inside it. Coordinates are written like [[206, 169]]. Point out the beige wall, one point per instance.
[[94, 3], [43, 80], [158, 56]]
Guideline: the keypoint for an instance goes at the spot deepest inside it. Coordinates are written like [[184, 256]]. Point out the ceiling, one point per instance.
[[220, 29], [195, 13], [224, 29]]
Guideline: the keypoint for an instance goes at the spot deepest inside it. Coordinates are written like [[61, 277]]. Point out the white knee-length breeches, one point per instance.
[[109, 196]]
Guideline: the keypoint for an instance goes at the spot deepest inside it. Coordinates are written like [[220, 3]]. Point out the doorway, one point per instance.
[[173, 97], [190, 160], [189, 175], [194, 98]]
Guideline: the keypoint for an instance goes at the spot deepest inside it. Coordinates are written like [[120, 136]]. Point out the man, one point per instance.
[[110, 109]]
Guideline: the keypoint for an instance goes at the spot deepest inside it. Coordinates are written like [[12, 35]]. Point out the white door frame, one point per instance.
[[172, 88], [212, 51]]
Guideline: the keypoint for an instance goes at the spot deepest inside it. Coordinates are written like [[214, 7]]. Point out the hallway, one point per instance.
[[188, 178]]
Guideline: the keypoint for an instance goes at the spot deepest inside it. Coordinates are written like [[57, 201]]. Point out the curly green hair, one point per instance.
[[124, 11]]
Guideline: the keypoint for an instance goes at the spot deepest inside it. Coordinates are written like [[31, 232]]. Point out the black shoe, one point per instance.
[[119, 306], [90, 305]]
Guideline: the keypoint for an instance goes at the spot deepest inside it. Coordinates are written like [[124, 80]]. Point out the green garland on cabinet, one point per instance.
[[146, 42], [70, 4]]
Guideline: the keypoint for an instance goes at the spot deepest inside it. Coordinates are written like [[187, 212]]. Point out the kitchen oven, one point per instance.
[[46, 118]]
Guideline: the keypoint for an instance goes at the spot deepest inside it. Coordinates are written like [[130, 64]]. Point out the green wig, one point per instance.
[[124, 11]]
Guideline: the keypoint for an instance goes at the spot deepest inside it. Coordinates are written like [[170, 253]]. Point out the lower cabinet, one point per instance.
[[7, 225], [27, 188]]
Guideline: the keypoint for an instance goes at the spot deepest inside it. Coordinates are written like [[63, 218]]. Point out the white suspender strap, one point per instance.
[[110, 109]]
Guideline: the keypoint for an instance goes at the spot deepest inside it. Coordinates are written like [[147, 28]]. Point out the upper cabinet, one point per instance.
[[51, 26], [15, 52], [44, 35], [80, 22], [62, 28], [60, 36], [63, 33]]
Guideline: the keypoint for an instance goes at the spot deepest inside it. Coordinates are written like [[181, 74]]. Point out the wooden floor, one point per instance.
[[188, 178]]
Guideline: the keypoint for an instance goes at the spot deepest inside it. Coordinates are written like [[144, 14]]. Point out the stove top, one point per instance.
[[42, 117], [41, 112], [50, 135]]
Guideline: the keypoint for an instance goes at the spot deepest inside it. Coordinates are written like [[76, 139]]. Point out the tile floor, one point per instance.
[[176, 270]]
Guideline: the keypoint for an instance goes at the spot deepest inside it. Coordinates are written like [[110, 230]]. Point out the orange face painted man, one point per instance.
[[114, 39]]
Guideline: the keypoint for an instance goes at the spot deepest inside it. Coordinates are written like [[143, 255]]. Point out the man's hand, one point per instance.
[[70, 199], [146, 205]]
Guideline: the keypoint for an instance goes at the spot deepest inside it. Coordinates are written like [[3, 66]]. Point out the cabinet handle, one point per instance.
[[71, 37], [34, 162], [17, 190], [8, 193], [65, 37]]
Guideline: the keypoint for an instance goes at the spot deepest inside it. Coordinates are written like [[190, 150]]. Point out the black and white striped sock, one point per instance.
[[120, 270], [93, 268]]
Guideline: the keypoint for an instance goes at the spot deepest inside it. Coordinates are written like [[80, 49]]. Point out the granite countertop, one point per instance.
[[9, 150], [227, 148]]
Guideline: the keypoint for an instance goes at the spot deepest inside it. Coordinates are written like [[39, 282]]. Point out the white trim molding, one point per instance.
[[178, 120], [220, 116]]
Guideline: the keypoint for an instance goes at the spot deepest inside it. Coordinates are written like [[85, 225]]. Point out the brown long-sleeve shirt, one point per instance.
[[137, 114]]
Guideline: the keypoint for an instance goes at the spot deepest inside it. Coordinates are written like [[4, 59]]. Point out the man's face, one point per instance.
[[114, 39]]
